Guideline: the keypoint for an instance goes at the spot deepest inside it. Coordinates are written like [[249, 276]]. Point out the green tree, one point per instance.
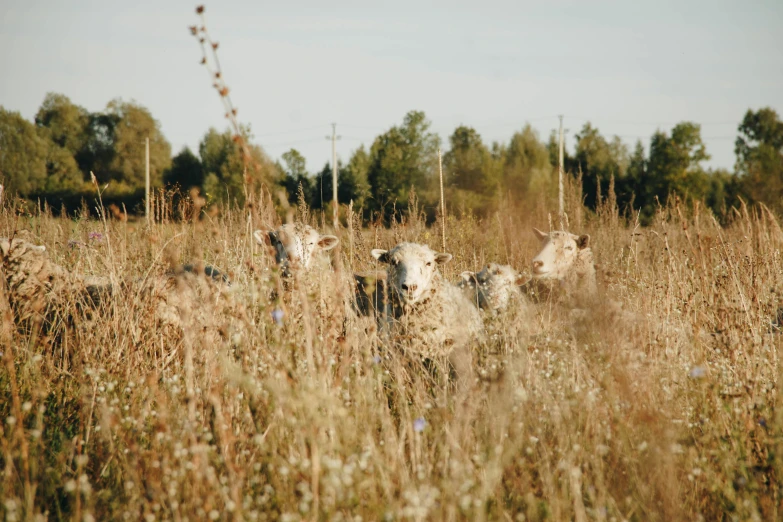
[[62, 171], [633, 190], [223, 164], [722, 191], [185, 171], [527, 168], [295, 175], [759, 150], [674, 165], [115, 142], [472, 174], [132, 125], [23, 155], [598, 160], [67, 123], [353, 184], [401, 158]]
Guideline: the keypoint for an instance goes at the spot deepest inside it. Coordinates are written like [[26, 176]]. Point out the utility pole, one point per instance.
[[442, 203], [561, 203], [147, 181], [334, 137]]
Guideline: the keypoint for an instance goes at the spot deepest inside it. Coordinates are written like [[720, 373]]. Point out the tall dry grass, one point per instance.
[[660, 402]]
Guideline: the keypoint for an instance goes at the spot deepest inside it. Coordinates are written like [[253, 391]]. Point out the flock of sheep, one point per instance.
[[411, 304]]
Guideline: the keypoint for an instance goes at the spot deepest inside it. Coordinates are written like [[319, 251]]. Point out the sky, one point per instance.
[[295, 67]]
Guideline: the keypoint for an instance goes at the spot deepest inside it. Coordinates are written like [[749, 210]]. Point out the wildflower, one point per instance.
[[277, 316], [377, 359], [419, 424], [95, 236], [697, 372], [73, 244]]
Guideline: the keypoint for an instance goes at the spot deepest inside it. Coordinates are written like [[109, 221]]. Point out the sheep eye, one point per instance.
[[429, 263]]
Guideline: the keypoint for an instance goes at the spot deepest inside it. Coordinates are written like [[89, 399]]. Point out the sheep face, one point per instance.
[[559, 252], [295, 245], [412, 269], [495, 285]]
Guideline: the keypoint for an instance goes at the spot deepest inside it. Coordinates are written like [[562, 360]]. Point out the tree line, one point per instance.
[[53, 156]]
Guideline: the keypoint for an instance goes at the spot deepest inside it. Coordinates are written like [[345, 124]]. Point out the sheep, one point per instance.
[[306, 274], [195, 300], [567, 260], [210, 271], [296, 245], [432, 315], [38, 287], [493, 289]]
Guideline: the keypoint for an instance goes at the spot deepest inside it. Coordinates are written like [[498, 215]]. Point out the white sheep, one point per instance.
[[306, 274], [433, 317], [565, 261], [38, 287], [296, 245], [494, 288]]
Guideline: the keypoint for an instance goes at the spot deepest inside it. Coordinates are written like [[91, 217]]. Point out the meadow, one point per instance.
[[663, 406]]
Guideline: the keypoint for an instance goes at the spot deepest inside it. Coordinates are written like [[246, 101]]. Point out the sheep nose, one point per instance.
[[538, 264], [410, 288]]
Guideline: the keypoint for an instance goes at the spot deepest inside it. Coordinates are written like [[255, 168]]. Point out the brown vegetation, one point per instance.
[[292, 413]]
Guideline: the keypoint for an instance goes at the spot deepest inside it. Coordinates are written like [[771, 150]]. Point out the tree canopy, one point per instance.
[[23, 154], [56, 152], [759, 150], [401, 158]]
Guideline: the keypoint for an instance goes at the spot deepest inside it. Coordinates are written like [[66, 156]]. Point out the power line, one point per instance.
[[292, 131], [628, 122], [296, 142], [359, 127], [627, 137]]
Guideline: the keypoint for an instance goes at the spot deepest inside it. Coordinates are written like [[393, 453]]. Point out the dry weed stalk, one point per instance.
[[619, 411], [210, 60]]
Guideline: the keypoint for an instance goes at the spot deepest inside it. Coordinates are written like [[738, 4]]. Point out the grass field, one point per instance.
[[660, 402]]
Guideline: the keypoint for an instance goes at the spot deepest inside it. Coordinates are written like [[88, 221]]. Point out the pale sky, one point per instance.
[[295, 67]]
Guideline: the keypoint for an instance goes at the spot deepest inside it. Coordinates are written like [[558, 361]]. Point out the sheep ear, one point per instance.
[[261, 237], [5, 246], [467, 276], [583, 241], [39, 248], [539, 234], [442, 258], [327, 242], [381, 255], [520, 280], [266, 237]]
